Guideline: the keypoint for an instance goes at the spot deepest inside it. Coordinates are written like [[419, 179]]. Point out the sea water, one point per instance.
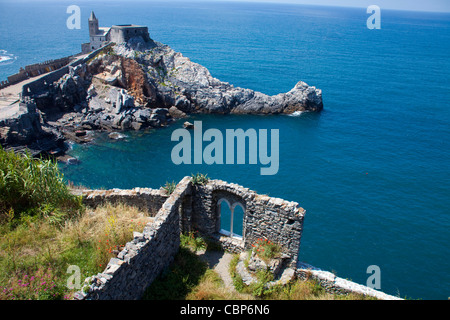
[[372, 170]]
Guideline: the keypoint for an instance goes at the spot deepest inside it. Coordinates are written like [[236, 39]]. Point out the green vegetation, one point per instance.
[[189, 278], [199, 179], [31, 188], [266, 249], [192, 241], [44, 229], [183, 275], [169, 187], [298, 289]]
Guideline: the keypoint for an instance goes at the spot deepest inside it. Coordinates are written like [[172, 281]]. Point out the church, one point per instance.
[[100, 36]]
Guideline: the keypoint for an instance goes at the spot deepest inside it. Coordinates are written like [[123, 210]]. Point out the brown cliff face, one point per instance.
[[125, 73], [136, 83]]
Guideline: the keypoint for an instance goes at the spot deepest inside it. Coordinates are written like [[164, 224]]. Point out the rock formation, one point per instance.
[[127, 89]]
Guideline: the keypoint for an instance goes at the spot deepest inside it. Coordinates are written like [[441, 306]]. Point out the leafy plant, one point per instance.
[[169, 187], [199, 179], [266, 249], [193, 240], [30, 187], [259, 288]]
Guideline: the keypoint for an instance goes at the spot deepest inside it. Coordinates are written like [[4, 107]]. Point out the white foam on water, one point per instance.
[[296, 114], [6, 58]]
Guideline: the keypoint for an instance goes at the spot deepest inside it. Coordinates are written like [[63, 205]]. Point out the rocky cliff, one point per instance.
[[135, 86]]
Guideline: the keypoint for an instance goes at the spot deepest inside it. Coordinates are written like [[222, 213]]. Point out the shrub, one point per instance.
[[89, 242], [259, 288], [33, 187]]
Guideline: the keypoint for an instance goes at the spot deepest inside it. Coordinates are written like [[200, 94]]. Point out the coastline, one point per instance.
[[130, 86]]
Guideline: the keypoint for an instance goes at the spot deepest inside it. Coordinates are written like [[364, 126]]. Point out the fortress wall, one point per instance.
[[120, 34], [36, 86], [36, 69], [47, 66], [4, 84], [17, 77]]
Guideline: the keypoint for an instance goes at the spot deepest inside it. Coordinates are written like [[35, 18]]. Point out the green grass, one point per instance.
[[44, 229], [297, 289], [181, 278]]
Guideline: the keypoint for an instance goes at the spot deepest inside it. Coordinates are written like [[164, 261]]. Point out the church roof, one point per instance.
[[92, 17]]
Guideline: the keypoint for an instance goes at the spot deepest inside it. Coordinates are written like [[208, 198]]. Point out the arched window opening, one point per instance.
[[231, 218], [238, 219]]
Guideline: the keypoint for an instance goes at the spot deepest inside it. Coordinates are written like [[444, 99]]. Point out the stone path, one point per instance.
[[219, 262]]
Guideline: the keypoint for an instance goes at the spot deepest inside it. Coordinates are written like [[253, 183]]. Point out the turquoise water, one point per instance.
[[371, 170]]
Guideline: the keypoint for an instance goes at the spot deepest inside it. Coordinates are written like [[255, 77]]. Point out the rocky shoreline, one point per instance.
[[133, 86]]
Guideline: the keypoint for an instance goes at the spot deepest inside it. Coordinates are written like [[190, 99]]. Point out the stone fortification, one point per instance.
[[36, 69]]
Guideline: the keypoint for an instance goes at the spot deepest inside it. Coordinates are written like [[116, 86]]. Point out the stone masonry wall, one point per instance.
[[194, 207], [146, 199], [265, 217], [143, 259], [39, 85], [336, 285]]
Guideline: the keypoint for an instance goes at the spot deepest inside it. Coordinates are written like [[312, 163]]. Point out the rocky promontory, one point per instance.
[[133, 86]]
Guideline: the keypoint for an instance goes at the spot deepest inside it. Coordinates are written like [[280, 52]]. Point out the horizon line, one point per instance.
[[290, 2]]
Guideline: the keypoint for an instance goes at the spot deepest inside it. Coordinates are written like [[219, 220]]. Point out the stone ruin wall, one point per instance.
[[265, 217], [194, 208], [144, 199], [147, 255]]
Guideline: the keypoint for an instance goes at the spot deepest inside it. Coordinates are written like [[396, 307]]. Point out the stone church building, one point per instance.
[[100, 36]]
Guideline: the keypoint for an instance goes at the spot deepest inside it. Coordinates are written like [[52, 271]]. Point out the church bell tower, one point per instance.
[[93, 25]]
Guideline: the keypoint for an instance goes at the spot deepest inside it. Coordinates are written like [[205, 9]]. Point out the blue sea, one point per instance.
[[372, 170]]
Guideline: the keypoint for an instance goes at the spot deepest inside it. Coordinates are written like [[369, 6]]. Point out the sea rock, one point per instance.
[[131, 90], [143, 115], [123, 100], [188, 125], [191, 88], [176, 113]]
